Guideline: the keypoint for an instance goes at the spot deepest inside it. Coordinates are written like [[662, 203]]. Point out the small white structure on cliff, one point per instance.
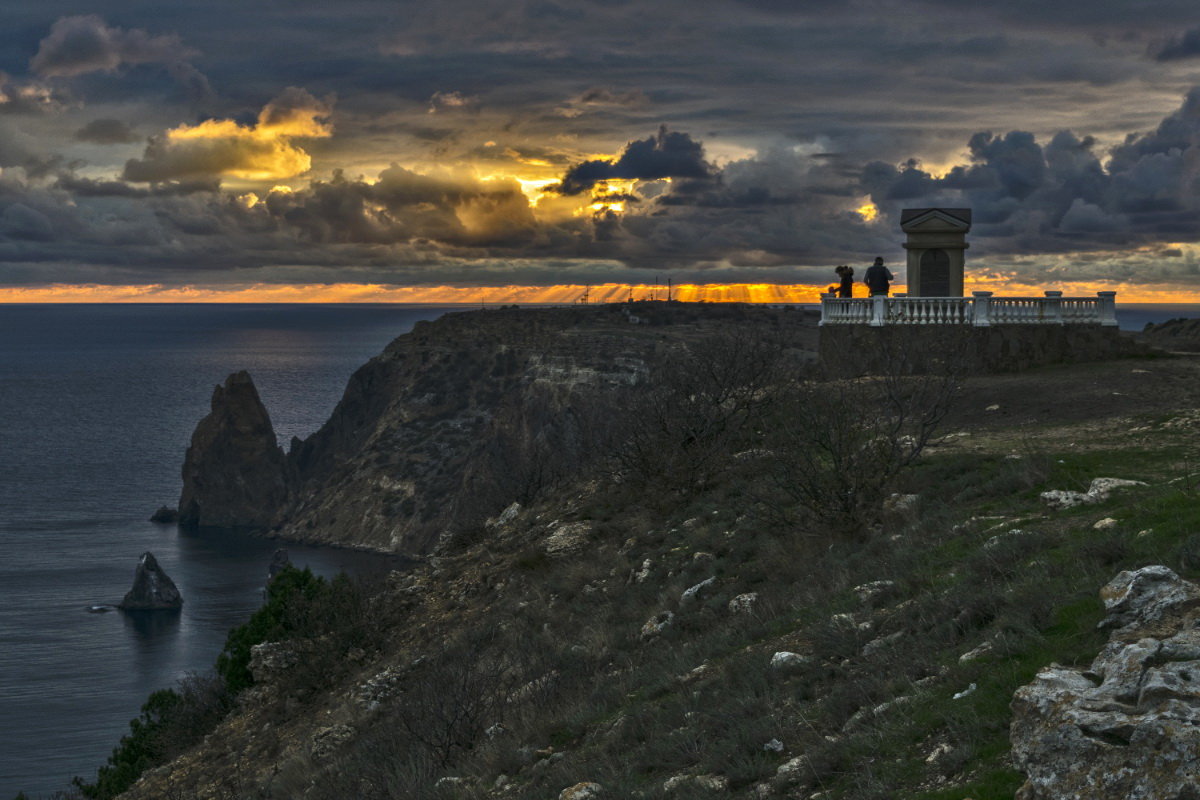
[[936, 248]]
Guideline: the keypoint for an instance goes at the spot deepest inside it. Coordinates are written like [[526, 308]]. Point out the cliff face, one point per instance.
[[429, 433], [234, 473], [450, 424]]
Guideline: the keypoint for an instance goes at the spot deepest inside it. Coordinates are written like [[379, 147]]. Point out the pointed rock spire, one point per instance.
[[152, 589]]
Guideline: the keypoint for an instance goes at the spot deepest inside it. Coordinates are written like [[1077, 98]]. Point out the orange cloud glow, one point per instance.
[[225, 147]]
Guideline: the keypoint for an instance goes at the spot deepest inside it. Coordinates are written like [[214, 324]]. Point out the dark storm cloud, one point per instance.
[[80, 45], [404, 206], [668, 154], [107, 131], [784, 117], [83, 44], [1184, 45], [1059, 196], [88, 187]]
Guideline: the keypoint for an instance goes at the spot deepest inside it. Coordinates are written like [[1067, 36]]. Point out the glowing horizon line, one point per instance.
[[519, 293]]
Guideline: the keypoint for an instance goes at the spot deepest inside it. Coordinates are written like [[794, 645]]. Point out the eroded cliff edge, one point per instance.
[[451, 423]]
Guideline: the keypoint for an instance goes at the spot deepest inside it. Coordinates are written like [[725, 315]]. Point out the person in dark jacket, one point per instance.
[[846, 287], [878, 278]]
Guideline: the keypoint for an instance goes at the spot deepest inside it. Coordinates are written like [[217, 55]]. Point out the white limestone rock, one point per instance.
[[1097, 492], [582, 791], [1129, 726], [694, 593], [785, 661], [685, 784], [743, 603], [1142, 596], [979, 652], [506, 516], [869, 592], [568, 539]]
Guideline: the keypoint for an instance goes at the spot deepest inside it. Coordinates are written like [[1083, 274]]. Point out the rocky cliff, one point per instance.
[[449, 425]]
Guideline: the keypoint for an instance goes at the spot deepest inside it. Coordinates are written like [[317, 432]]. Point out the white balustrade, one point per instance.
[[981, 310]]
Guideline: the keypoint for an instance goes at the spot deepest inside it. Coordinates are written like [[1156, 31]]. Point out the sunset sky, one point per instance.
[[520, 150]]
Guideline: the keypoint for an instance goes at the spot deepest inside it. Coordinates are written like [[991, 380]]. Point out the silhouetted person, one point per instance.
[[878, 278], [846, 287]]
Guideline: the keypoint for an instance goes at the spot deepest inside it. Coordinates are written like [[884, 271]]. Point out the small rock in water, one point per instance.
[[152, 589], [98, 609], [279, 562], [165, 516]]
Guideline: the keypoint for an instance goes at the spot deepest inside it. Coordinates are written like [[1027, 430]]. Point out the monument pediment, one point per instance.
[[935, 220]]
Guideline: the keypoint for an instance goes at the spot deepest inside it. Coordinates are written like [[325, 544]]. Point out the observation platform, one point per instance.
[[981, 310]]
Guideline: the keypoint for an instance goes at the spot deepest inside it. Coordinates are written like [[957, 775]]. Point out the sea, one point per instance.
[[97, 404]]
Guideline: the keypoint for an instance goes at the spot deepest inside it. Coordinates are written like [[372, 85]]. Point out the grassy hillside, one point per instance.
[[625, 629]]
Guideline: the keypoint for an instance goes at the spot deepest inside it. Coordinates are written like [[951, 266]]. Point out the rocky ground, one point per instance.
[[614, 640]]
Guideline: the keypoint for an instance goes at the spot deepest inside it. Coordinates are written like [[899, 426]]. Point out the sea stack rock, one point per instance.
[[234, 473], [279, 562], [165, 516], [152, 589]]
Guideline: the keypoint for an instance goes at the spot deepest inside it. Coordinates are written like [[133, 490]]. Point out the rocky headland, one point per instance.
[[679, 614], [439, 431]]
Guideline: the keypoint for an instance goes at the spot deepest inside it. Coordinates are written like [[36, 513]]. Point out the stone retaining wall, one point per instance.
[[848, 350]]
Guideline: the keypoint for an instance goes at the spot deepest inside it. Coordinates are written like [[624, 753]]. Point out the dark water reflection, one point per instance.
[[96, 407]]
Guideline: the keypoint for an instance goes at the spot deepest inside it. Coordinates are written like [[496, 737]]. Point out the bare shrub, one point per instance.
[[453, 698], [679, 429], [836, 446]]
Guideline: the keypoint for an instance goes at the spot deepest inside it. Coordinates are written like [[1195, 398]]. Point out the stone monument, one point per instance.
[[937, 243]]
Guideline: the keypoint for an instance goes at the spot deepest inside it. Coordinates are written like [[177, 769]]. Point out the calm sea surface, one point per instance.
[[97, 404]]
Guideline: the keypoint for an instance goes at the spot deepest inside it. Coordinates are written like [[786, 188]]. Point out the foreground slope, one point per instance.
[[707, 639]]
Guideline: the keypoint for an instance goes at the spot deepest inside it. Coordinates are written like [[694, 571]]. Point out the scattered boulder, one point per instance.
[[785, 661], [695, 592], [1129, 726], [1141, 597], [582, 791], [883, 642], [234, 473], [897, 503], [152, 589], [979, 652], [1097, 492], [875, 590], [271, 660], [685, 784], [793, 770], [506, 516], [165, 515], [743, 603], [1106, 524], [568, 539], [657, 624]]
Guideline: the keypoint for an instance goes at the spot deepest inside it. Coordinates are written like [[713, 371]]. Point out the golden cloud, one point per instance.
[[224, 147]]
